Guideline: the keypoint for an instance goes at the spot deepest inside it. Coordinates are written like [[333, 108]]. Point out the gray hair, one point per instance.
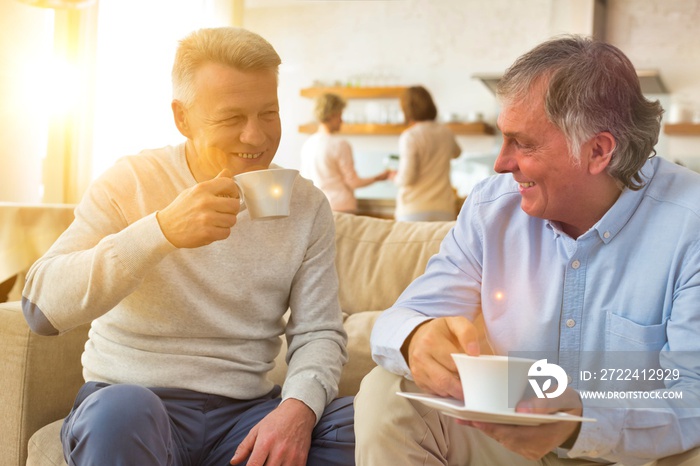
[[234, 47], [591, 87]]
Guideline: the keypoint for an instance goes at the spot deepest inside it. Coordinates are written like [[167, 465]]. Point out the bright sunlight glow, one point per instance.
[[64, 87], [133, 92]]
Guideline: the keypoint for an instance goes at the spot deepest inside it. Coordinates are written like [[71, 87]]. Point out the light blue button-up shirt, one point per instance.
[[631, 283]]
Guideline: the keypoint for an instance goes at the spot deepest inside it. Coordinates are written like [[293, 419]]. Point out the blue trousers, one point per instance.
[[132, 425]]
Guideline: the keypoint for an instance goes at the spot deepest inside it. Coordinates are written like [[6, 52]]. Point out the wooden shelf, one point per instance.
[[476, 128], [682, 129], [375, 129], [385, 92], [370, 129]]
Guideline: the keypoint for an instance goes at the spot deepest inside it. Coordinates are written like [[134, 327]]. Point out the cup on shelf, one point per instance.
[[696, 116], [452, 117], [475, 117], [680, 112]]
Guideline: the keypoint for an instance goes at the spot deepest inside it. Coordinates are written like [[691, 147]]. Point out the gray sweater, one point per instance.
[[205, 319]]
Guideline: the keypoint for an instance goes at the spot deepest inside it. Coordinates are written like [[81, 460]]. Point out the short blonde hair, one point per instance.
[[328, 105], [231, 46]]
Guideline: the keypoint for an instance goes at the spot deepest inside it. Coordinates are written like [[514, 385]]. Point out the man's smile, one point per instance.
[[248, 155]]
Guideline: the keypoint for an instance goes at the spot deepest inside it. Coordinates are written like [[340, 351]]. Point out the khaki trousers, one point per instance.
[[392, 430]]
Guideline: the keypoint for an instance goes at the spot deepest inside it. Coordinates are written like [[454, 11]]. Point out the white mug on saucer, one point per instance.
[[266, 193], [492, 383]]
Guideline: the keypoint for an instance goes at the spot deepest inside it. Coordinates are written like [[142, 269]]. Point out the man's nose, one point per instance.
[[505, 162], [253, 133]]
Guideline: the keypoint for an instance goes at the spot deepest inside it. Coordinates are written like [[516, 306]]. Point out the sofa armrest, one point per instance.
[[40, 377]]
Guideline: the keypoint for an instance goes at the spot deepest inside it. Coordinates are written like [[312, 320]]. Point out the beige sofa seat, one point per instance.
[[376, 259], [40, 378]]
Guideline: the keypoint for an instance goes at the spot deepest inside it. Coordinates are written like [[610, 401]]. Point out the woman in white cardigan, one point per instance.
[[425, 151]]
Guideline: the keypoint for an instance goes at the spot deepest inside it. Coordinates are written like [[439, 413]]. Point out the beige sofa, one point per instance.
[[376, 260]]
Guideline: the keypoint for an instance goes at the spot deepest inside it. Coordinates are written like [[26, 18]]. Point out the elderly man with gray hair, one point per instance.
[[584, 248]]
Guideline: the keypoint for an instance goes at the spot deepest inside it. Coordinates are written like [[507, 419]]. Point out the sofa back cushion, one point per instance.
[[377, 259]]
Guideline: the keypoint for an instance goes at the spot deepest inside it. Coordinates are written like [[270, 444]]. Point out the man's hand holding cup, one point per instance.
[[202, 214]]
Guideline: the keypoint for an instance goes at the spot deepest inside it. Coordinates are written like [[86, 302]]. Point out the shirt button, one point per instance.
[[576, 264], [606, 234], [570, 323]]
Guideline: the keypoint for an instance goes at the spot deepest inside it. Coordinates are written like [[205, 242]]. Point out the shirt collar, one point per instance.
[[626, 205], [619, 214]]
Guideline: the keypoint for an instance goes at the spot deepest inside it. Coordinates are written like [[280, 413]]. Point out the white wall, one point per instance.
[[664, 34], [441, 44]]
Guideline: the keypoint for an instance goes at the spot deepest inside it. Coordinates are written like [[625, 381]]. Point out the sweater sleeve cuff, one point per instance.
[[309, 391]]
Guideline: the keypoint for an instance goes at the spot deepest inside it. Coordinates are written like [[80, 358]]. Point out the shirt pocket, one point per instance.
[[622, 334]]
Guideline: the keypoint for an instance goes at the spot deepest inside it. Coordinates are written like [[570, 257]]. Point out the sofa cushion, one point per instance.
[[45, 447], [41, 376], [359, 327], [377, 259]]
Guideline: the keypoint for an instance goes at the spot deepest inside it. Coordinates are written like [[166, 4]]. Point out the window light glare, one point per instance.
[[63, 86]]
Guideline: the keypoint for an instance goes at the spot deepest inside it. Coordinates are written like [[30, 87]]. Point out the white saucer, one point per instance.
[[455, 408]]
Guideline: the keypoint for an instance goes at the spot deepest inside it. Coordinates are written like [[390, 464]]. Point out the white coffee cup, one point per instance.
[[492, 383], [266, 193]]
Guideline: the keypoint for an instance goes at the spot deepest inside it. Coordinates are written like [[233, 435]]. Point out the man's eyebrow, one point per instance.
[[229, 110], [511, 134]]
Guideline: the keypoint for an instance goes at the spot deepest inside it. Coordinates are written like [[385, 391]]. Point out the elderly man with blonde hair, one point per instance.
[[187, 294]]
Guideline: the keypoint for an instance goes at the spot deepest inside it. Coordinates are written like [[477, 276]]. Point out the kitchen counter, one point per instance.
[[373, 207], [385, 208]]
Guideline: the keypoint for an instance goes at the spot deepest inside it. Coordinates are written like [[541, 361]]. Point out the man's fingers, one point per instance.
[[227, 205], [446, 384], [429, 359], [465, 334], [244, 448], [569, 402], [223, 185]]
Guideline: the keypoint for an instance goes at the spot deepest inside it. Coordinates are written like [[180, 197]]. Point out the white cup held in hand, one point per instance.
[[492, 383], [266, 193]]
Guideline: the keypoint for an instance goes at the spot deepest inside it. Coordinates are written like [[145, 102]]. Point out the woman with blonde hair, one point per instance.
[[327, 159], [425, 150]]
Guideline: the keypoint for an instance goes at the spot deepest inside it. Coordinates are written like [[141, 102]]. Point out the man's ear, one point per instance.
[[180, 116], [601, 148]]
